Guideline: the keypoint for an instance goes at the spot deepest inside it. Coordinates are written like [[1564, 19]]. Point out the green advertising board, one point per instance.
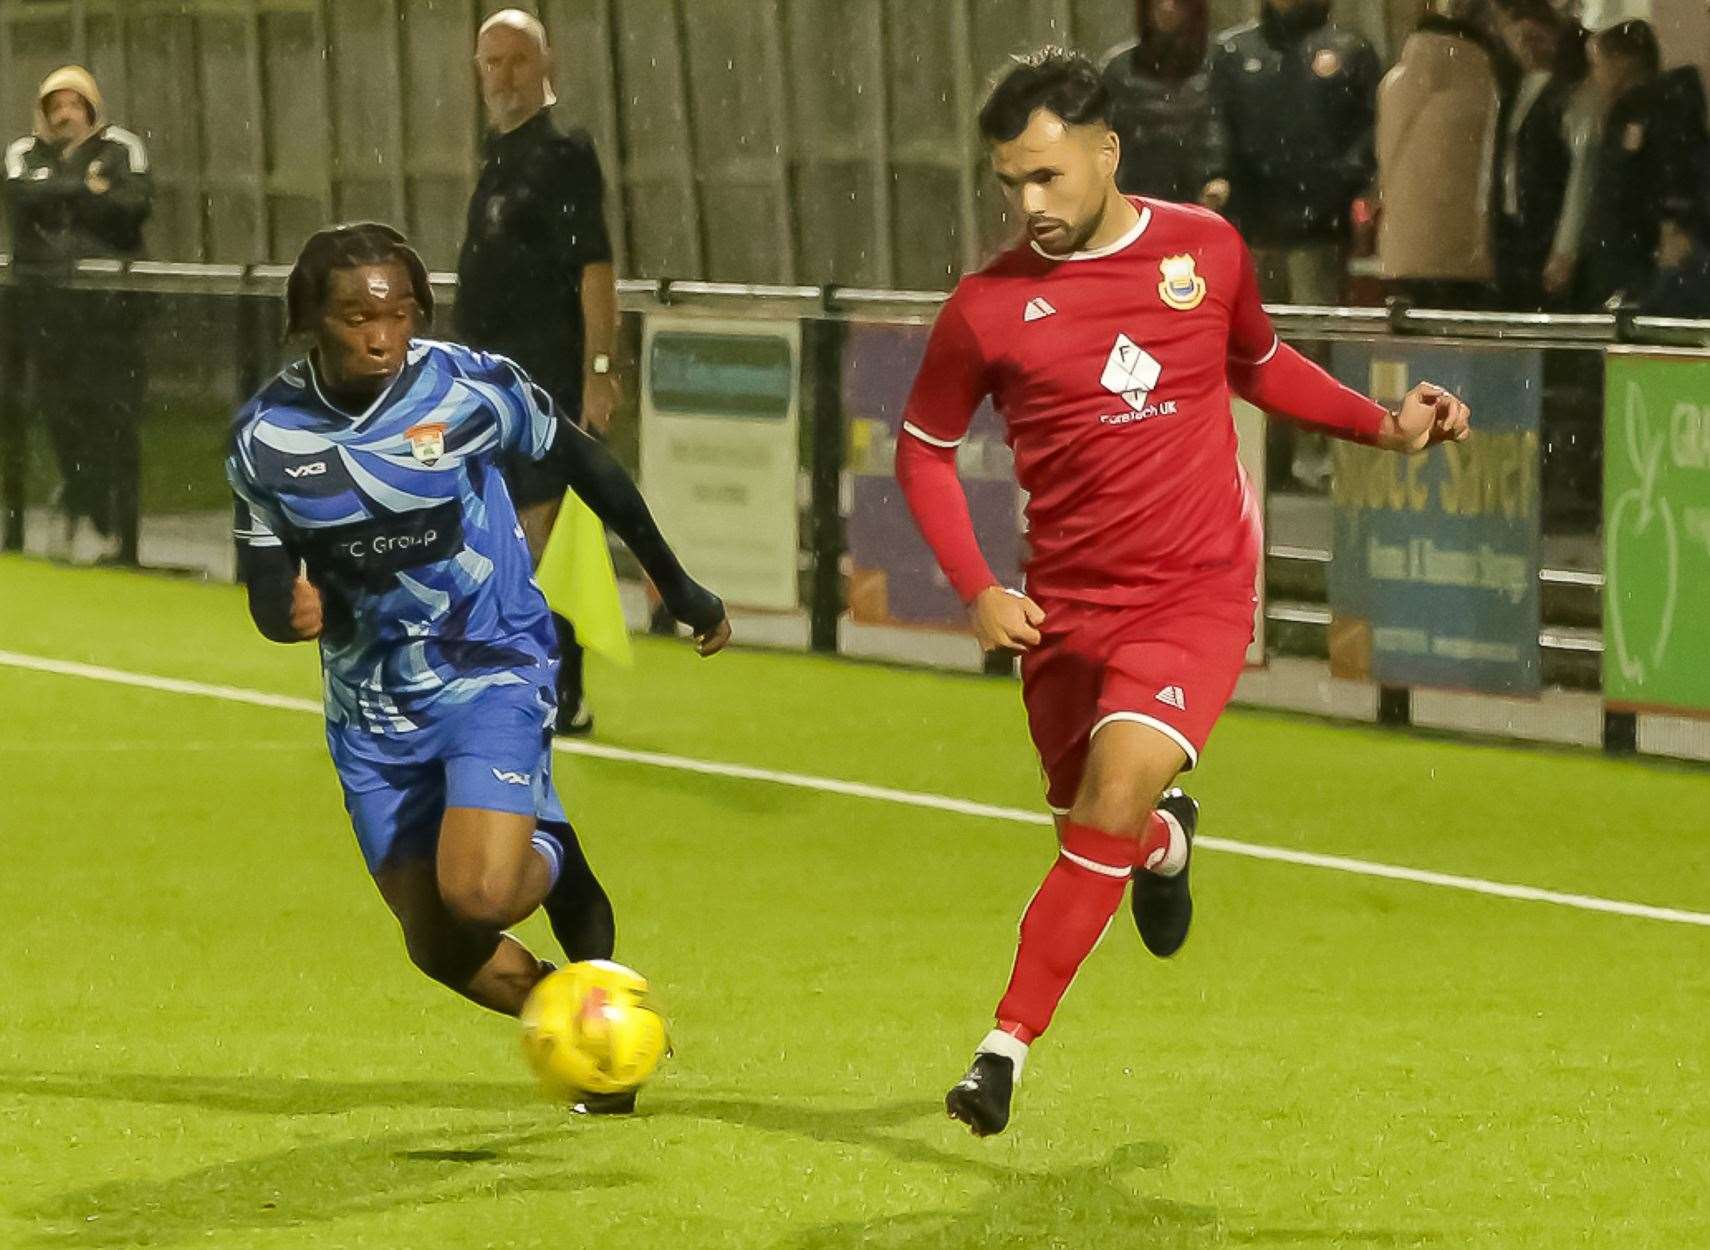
[[1656, 531]]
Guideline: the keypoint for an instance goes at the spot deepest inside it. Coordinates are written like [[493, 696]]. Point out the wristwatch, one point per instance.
[[600, 364]]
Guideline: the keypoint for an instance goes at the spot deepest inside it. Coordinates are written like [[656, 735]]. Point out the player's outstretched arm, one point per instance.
[[601, 483], [1427, 416], [1287, 384]]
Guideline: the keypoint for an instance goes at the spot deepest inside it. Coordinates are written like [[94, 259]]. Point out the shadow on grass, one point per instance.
[[271, 1095], [1080, 1204], [308, 1185]]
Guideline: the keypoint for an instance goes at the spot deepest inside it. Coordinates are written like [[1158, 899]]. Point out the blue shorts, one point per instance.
[[494, 752]]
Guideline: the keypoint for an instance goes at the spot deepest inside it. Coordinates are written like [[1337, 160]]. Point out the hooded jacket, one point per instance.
[[1293, 98], [57, 217], [1437, 114], [1160, 103]]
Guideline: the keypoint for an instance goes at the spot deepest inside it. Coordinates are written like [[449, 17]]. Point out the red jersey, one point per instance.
[[1111, 371]]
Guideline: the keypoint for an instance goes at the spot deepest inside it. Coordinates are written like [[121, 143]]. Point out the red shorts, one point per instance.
[[1171, 668]]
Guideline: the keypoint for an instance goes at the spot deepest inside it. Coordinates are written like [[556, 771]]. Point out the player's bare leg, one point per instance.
[[495, 868], [1123, 790], [484, 965], [1112, 831], [490, 873], [537, 520]]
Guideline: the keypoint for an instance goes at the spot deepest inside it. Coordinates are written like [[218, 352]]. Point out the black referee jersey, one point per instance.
[[535, 222]]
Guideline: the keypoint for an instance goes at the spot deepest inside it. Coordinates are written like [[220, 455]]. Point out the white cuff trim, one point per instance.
[[1092, 865], [1276, 343], [909, 427], [1005, 1046], [1169, 731]]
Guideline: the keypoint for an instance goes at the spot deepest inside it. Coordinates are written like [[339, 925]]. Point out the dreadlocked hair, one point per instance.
[[347, 247]]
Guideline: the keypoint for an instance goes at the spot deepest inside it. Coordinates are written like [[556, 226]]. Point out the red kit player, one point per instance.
[[1109, 339]]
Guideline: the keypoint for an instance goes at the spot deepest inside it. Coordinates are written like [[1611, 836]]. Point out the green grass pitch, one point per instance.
[[211, 1038]]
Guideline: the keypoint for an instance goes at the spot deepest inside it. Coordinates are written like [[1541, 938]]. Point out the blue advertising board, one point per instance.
[[894, 579], [1434, 577]]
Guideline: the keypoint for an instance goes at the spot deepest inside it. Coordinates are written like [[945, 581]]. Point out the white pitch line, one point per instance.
[[907, 798]]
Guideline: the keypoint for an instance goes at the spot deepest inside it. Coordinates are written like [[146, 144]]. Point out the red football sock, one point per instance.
[[1154, 842], [1064, 922]]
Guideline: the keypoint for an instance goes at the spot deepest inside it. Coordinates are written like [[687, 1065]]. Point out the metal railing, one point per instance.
[[1571, 632], [1564, 330]]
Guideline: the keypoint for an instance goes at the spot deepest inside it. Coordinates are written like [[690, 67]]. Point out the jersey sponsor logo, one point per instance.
[[1181, 288], [427, 442], [372, 552], [1133, 373], [1038, 308], [1173, 697], [315, 468], [510, 778]]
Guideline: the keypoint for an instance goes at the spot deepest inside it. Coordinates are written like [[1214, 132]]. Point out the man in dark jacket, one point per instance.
[[1539, 152], [1160, 100], [1653, 150], [77, 188], [1294, 99], [1293, 103], [535, 280]]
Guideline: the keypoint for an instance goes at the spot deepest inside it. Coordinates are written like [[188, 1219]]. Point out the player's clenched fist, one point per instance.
[[1005, 619], [305, 609], [1428, 415]]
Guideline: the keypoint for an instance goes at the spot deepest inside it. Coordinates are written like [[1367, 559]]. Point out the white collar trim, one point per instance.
[[1109, 249]]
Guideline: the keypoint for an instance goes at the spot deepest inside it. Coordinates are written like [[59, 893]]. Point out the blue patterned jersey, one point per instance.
[[404, 522]]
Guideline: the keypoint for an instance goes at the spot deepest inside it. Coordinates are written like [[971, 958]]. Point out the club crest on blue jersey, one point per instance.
[[427, 442], [1182, 288]]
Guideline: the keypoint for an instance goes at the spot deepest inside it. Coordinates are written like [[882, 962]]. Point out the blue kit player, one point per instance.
[[372, 515]]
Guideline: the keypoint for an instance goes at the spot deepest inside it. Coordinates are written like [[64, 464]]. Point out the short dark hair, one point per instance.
[[1062, 82], [1635, 39], [347, 247]]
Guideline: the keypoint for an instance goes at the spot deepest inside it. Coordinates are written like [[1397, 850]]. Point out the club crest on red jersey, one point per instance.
[[427, 442], [1182, 288]]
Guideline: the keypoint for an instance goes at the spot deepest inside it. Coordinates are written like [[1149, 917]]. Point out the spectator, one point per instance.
[[1436, 147], [1161, 101], [1681, 287], [1292, 99], [535, 280], [1544, 166], [1652, 150], [77, 188]]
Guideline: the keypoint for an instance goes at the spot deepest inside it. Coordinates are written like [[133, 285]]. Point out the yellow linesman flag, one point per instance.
[[580, 583]]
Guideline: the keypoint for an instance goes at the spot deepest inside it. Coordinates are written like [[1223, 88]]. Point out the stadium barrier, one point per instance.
[[1477, 589]]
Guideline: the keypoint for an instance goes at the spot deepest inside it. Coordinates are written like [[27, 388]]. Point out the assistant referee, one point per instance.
[[535, 280]]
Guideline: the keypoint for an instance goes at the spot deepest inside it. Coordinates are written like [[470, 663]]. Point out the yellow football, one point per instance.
[[592, 1028]]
